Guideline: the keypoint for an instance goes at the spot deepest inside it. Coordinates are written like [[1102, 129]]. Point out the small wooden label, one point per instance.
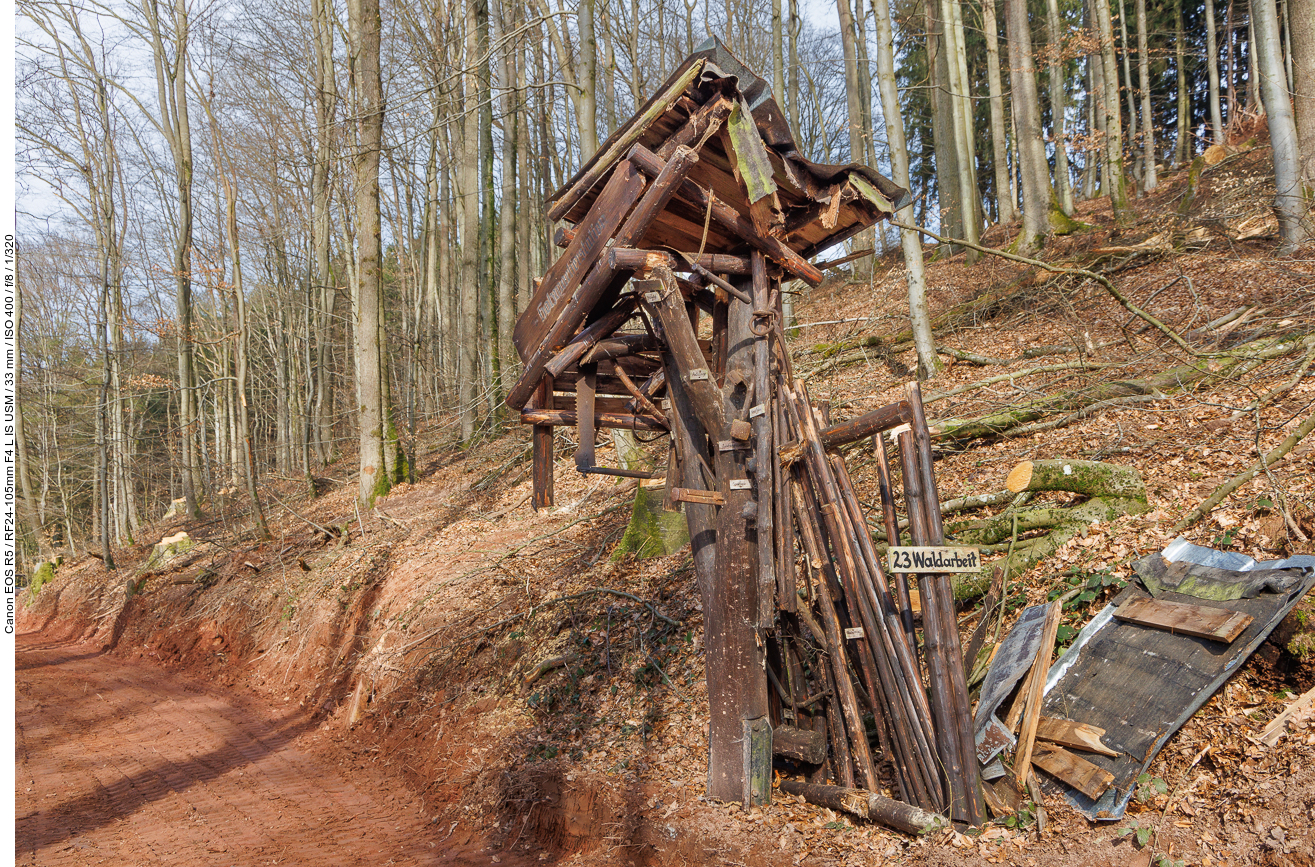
[[854, 632], [652, 297], [756, 411], [732, 445], [741, 485], [910, 558], [693, 495], [698, 374]]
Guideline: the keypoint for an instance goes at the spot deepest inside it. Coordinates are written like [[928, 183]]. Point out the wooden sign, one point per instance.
[[913, 558], [693, 495]]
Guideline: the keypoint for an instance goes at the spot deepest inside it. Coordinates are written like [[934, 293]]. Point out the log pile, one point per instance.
[[664, 314]]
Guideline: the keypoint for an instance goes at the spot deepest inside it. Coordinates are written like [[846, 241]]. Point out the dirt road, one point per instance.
[[121, 763]]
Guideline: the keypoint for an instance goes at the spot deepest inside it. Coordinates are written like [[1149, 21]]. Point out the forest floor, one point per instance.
[[452, 668]]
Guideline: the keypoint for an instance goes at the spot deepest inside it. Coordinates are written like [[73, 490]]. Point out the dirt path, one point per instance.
[[121, 763]]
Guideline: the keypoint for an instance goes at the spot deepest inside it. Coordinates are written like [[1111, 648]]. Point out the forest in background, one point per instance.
[[277, 239]]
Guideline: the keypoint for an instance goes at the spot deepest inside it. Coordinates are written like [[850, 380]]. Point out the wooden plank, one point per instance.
[[703, 122], [1036, 686], [1073, 735], [1180, 618], [757, 740], [589, 336], [694, 495], [557, 289], [586, 389], [1091, 780]]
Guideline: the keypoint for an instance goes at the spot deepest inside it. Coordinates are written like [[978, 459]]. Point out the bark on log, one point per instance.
[[882, 418], [1092, 478], [799, 744], [868, 805]]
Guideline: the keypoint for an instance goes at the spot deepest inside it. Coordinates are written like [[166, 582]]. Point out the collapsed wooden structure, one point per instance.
[[664, 314]]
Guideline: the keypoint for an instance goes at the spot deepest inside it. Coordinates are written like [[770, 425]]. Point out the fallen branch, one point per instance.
[[1010, 377], [1222, 492], [1075, 272], [868, 805]]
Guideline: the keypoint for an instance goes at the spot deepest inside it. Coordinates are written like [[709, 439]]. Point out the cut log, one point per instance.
[[1091, 780], [643, 260], [1074, 735], [868, 805], [799, 744], [1093, 478], [1200, 621]]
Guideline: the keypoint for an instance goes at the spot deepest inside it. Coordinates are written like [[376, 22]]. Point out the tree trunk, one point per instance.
[[1182, 140], [1034, 170], [1301, 26], [1058, 105], [1005, 210], [509, 262], [961, 125], [1212, 73], [1128, 89], [366, 27], [468, 186], [941, 104], [586, 107], [1114, 185], [1290, 200], [1149, 181], [929, 364]]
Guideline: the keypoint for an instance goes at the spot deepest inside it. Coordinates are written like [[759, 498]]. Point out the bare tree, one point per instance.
[[1291, 200]]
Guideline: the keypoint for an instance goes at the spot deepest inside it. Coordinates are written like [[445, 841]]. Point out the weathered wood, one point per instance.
[[702, 123], [735, 657], [585, 390], [730, 219], [1073, 735], [882, 418], [693, 495], [1199, 621], [763, 468], [757, 741], [1036, 685], [643, 260], [557, 291], [593, 171], [601, 281], [868, 805], [620, 346], [890, 521], [661, 297], [570, 418], [1091, 780], [589, 337], [541, 439], [799, 744], [962, 721]]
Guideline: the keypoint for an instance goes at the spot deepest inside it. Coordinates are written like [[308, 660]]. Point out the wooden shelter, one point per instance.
[[664, 314]]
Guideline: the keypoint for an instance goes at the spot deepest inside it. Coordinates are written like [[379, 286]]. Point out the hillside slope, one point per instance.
[[540, 697]]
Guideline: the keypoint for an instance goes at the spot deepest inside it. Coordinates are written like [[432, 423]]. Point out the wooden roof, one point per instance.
[[805, 190]]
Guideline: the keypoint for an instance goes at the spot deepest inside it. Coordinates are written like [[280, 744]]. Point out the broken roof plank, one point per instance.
[[1141, 685], [1074, 770], [1202, 621]]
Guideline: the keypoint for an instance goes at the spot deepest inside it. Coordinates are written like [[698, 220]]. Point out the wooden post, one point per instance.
[[541, 441], [764, 467], [586, 387], [735, 655]]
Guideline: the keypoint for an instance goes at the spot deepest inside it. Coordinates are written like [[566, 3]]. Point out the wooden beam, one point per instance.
[[883, 418], [1036, 686], [662, 298], [728, 217], [570, 418], [601, 278], [643, 260], [541, 440], [1199, 621]]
